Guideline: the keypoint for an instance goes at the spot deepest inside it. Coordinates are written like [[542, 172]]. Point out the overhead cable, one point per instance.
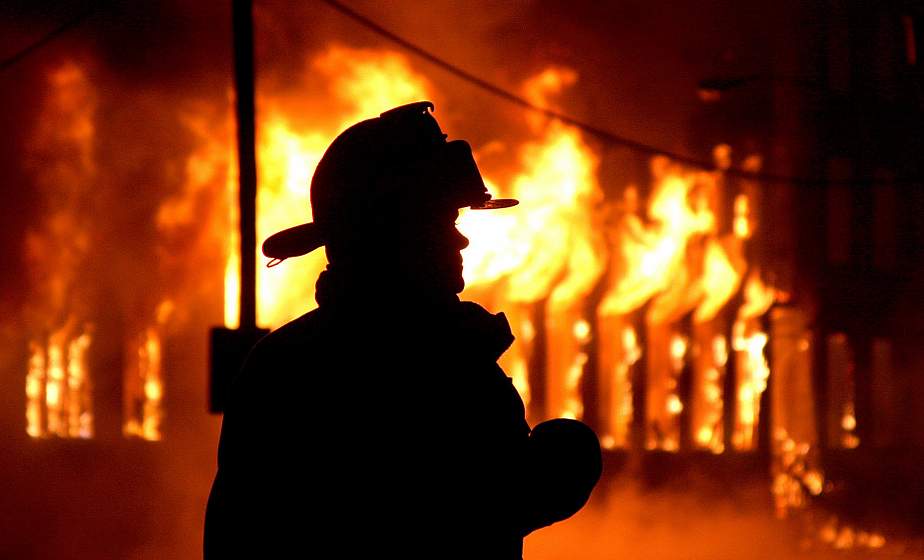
[[604, 135], [48, 37]]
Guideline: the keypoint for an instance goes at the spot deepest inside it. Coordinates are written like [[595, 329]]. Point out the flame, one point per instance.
[[58, 392], [749, 340], [795, 479], [742, 222], [62, 155], [80, 417], [752, 383], [549, 249], [849, 439], [35, 387], [549, 246], [558, 193], [143, 381], [651, 256], [364, 83], [676, 261], [721, 277], [210, 174], [708, 428], [842, 536], [758, 297], [495, 249], [286, 161], [617, 389]]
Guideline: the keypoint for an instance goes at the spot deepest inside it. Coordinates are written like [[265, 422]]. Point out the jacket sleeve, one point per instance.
[[562, 463]]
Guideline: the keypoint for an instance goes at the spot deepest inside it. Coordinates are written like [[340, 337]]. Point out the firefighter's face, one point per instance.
[[431, 252]]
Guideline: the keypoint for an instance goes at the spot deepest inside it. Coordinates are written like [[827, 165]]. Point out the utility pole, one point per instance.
[[229, 347], [242, 21]]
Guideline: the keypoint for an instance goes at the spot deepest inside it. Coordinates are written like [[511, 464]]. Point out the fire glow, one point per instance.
[[670, 265], [649, 292], [58, 385], [659, 262], [680, 301], [736, 319]]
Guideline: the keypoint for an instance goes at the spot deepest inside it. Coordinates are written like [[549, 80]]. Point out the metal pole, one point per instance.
[[242, 21], [229, 347]]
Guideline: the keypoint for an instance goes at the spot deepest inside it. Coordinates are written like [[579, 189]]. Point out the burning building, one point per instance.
[[740, 319]]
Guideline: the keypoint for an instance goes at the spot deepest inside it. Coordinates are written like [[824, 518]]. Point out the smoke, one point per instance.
[[680, 508]]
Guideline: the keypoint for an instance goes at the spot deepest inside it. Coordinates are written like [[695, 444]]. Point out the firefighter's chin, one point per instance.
[[451, 282]]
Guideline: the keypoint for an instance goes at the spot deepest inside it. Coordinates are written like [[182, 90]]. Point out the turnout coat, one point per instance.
[[359, 429]]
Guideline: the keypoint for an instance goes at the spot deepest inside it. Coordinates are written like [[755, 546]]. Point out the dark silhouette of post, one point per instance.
[[242, 20], [229, 347]]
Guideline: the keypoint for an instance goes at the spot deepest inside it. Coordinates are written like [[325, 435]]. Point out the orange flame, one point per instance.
[[144, 381], [58, 396], [651, 256], [549, 244], [365, 83], [548, 247]]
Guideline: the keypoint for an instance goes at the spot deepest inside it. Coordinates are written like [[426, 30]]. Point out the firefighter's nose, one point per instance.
[[461, 241]]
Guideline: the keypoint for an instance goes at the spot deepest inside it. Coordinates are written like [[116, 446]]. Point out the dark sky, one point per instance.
[[638, 61]]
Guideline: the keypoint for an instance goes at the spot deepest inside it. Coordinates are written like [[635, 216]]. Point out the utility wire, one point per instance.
[[602, 134], [48, 38]]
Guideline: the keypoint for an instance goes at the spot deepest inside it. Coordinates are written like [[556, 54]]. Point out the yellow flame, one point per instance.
[[674, 405], [549, 245], [708, 409], [752, 382], [742, 221], [80, 417], [559, 198], [652, 255], [368, 82], [233, 263], [758, 297], [363, 83], [581, 330], [720, 281], [555, 194], [35, 387], [848, 421], [58, 389], [678, 351], [286, 163]]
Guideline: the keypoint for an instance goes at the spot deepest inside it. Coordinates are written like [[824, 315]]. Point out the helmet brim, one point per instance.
[[305, 238]]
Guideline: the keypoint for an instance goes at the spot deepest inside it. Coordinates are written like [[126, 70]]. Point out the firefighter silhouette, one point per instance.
[[380, 423]]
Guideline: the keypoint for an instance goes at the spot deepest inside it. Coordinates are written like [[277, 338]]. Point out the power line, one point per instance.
[[49, 37], [602, 134]]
